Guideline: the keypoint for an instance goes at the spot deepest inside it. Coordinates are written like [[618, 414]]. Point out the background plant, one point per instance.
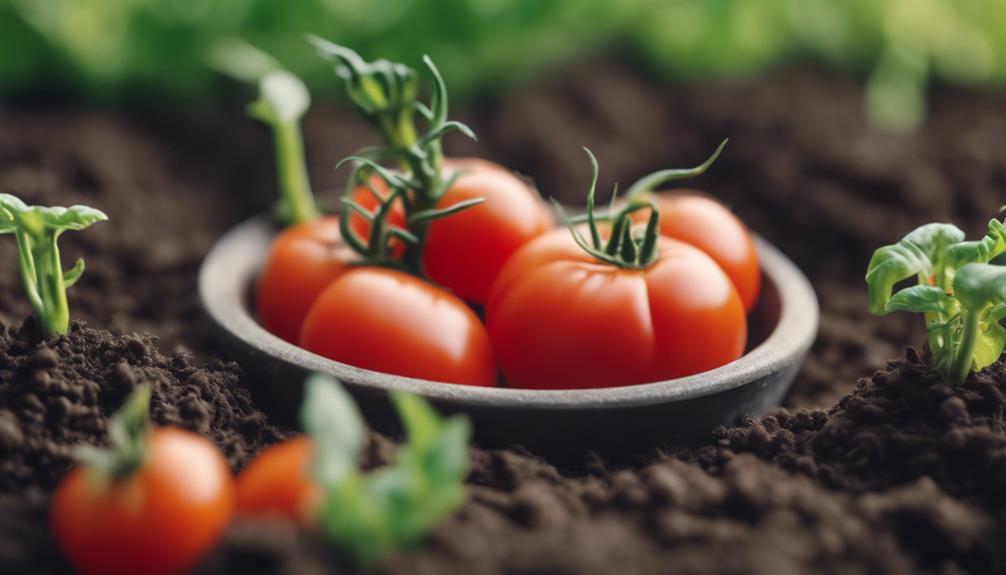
[[103, 48]]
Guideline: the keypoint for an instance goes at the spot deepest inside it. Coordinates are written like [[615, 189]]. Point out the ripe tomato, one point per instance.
[[465, 251], [559, 319], [159, 520], [302, 262], [390, 321], [705, 223], [276, 481]]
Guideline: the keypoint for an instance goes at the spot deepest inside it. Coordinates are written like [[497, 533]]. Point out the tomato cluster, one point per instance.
[[555, 315], [396, 281]]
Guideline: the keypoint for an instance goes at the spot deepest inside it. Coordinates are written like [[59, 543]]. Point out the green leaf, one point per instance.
[[920, 299], [919, 254], [650, 182], [979, 285], [981, 251], [283, 98], [15, 214], [393, 507], [330, 417]]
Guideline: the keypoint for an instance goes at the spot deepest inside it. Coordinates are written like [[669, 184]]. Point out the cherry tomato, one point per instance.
[[390, 321], [560, 319], [302, 262], [465, 251], [705, 223], [277, 481], [159, 520]]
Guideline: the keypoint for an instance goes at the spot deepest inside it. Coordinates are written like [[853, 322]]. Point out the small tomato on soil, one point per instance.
[[466, 251], [277, 482], [705, 223], [158, 520], [304, 260], [559, 319], [390, 321]]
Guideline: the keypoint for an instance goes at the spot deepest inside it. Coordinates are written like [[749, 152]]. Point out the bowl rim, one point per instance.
[[234, 261]]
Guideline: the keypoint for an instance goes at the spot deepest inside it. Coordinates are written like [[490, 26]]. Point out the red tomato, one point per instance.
[[560, 319], [159, 520], [277, 481], [390, 321], [302, 262], [465, 251], [705, 223]]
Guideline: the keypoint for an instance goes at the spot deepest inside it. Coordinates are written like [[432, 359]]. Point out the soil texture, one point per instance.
[[875, 465]]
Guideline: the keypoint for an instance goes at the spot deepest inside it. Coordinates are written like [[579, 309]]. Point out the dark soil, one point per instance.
[[899, 473]]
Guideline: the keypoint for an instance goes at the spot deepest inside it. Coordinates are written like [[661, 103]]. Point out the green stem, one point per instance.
[[42, 275], [965, 351], [295, 186]]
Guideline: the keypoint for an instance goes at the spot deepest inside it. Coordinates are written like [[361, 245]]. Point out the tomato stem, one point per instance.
[[128, 430], [385, 93]]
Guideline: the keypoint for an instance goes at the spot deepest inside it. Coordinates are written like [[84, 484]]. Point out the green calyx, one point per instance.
[[37, 230], [371, 514], [128, 430], [283, 101], [386, 94], [625, 247], [962, 296]]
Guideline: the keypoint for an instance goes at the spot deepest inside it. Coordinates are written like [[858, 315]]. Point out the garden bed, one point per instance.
[[898, 473]]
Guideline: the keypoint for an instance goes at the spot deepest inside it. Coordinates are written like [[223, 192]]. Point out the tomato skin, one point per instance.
[[465, 251], [304, 259], [158, 521], [559, 319], [389, 321], [707, 224], [277, 482]]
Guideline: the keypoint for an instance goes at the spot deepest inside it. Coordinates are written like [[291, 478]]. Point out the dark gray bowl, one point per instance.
[[617, 421]]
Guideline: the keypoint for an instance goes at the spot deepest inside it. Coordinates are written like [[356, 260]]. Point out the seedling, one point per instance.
[[283, 101], [962, 296], [37, 230], [370, 514]]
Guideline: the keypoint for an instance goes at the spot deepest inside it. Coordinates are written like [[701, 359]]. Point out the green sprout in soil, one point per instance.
[[385, 93], [371, 514], [283, 101], [37, 230], [962, 296]]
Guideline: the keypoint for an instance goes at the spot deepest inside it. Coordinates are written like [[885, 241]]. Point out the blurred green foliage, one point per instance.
[[103, 48]]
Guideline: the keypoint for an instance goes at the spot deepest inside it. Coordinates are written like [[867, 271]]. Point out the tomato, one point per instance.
[[159, 520], [707, 224], [465, 251], [560, 319], [390, 321], [303, 260], [277, 481]]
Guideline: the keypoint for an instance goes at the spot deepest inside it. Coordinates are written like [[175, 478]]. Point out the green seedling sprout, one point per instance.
[[371, 514], [283, 101], [385, 93], [962, 296], [37, 230]]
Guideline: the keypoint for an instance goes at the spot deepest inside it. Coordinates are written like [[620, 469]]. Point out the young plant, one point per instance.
[[316, 479], [961, 295], [37, 230], [385, 93], [283, 101]]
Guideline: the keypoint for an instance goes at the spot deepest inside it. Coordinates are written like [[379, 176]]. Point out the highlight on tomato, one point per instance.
[[700, 220], [152, 503], [623, 306]]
